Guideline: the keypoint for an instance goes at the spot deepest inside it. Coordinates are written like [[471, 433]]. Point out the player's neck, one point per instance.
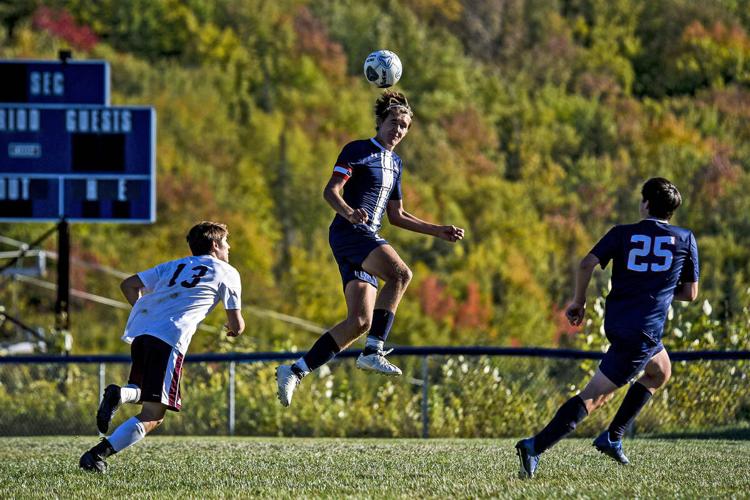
[[651, 217], [379, 142]]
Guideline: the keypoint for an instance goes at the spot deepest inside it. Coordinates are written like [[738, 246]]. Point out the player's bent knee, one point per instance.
[[403, 276], [357, 325], [363, 325]]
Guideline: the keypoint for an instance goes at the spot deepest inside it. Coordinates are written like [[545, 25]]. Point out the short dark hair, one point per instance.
[[662, 196], [391, 101], [203, 234]]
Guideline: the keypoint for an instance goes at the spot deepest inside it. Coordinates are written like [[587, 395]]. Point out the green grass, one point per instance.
[[219, 467]]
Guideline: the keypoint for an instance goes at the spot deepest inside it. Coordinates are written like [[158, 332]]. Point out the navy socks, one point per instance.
[[323, 350], [382, 322], [570, 414], [631, 406]]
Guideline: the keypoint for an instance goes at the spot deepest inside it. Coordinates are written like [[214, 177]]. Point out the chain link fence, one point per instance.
[[459, 392]]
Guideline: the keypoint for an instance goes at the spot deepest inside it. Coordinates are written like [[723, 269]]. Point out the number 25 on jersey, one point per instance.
[[659, 249]]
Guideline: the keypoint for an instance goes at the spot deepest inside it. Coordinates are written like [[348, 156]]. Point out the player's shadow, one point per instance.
[[737, 434]]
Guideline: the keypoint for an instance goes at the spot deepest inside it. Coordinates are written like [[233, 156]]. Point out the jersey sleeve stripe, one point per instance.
[[340, 171]]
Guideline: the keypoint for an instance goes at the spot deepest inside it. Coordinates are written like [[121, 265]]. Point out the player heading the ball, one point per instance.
[[169, 301], [653, 263], [369, 173]]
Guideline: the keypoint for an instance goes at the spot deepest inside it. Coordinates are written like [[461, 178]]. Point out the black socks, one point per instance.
[[382, 322], [323, 350], [634, 401], [563, 423]]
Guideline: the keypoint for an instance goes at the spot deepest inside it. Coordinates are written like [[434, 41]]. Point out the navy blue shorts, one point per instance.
[[351, 245], [627, 355]]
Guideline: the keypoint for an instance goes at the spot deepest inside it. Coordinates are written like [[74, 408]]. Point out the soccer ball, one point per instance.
[[383, 68]]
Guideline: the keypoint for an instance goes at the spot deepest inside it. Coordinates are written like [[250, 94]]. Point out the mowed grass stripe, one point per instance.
[[377, 468]]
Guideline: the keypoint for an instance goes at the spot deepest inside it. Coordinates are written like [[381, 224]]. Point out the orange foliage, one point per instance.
[[734, 36], [313, 40], [438, 304], [467, 132], [718, 175], [472, 313]]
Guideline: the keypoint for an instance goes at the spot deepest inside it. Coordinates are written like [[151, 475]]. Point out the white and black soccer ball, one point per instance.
[[383, 68]]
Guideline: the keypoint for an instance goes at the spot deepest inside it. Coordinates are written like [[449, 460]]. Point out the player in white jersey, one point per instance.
[[169, 301]]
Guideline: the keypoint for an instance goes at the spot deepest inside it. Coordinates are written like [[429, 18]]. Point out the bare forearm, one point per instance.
[[407, 221], [583, 278], [336, 202]]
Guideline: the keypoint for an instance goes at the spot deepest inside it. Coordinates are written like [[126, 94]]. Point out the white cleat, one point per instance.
[[376, 362], [287, 382]]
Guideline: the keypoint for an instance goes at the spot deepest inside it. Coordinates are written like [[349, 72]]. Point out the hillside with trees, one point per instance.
[[536, 122]]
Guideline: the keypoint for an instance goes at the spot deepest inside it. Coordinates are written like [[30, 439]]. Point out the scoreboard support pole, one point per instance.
[[62, 304]]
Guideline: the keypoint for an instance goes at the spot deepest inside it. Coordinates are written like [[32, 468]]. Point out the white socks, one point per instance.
[[130, 393], [130, 432]]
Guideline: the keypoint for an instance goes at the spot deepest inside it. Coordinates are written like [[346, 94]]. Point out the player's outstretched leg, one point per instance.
[[385, 263], [360, 298], [94, 459], [288, 377], [113, 397], [656, 374], [565, 421], [127, 434]]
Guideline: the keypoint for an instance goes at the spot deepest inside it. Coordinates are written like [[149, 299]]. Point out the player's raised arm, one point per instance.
[[403, 219], [235, 324], [131, 288], [332, 195], [577, 308]]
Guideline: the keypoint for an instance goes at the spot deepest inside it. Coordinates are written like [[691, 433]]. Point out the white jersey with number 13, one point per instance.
[[179, 295]]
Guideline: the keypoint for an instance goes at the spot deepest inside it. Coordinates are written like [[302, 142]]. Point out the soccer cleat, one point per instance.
[[92, 463], [93, 460], [611, 448], [529, 461], [108, 407], [376, 362], [287, 381]]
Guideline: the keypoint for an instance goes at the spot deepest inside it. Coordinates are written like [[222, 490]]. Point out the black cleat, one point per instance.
[[92, 463], [93, 460], [108, 407]]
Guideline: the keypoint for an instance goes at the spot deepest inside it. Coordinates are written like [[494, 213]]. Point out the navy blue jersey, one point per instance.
[[649, 259], [373, 176]]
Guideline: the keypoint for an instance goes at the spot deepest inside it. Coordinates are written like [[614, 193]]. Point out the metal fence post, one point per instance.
[[102, 373], [425, 404], [230, 406]]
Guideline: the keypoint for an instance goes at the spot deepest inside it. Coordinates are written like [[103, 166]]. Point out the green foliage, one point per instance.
[[536, 123]]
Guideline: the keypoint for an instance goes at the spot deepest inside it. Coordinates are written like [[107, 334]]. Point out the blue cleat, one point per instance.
[[611, 448], [529, 460]]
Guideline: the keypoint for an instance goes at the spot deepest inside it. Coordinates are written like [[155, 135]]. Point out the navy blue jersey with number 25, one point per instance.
[[649, 260]]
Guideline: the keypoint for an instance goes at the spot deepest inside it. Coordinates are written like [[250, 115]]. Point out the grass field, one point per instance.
[[207, 467]]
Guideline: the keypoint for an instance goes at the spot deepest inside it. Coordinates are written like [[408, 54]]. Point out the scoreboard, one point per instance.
[[54, 82], [65, 153]]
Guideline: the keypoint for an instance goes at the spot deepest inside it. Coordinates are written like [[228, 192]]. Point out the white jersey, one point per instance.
[[178, 295]]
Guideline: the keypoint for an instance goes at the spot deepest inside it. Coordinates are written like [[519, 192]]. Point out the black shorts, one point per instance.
[[627, 355], [157, 370], [351, 245]]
